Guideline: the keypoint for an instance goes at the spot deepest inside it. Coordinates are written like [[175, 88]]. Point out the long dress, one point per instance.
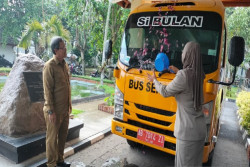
[[190, 127]]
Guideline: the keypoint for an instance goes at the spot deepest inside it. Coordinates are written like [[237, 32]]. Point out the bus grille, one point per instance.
[[153, 120], [154, 110], [166, 144], [157, 130]]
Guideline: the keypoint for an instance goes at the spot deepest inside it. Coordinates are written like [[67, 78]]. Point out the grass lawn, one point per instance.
[[4, 70], [232, 92], [1, 86], [94, 78], [76, 111]]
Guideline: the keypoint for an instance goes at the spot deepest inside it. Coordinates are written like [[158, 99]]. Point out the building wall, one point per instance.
[[8, 53], [248, 74], [241, 72]]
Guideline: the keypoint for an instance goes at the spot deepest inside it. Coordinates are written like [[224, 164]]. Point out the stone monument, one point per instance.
[[18, 116], [22, 123]]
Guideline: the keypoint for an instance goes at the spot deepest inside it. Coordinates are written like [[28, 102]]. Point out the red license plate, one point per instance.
[[150, 137]]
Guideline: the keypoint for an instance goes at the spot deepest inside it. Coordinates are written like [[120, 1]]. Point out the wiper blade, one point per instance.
[[130, 67], [165, 71]]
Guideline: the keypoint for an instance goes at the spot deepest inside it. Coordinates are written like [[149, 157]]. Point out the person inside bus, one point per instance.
[[187, 88]]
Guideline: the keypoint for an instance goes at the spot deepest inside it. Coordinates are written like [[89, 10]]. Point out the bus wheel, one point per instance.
[[222, 96], [133, 144]]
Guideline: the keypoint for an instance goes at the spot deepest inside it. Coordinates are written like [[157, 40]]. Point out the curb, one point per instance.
[[230, 100], [78, 146], [105, 108], [88, 99], [244, 133]]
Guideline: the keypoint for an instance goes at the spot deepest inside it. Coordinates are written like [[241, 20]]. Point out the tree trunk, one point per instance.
[[110, 72], [83, 62], [105, 38]]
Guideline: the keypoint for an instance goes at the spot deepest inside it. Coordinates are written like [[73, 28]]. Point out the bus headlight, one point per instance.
[[118, 113], [118, 96]]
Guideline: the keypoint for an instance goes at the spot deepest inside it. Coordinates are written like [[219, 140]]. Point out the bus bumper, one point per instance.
[[129, 132]]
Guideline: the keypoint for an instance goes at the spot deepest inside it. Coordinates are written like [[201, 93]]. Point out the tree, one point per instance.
[[80, 17], [117, 22], [15, 14], [28, 33], [41, 34], [238, 24], [104, 41], [86, 21], [117, 27]]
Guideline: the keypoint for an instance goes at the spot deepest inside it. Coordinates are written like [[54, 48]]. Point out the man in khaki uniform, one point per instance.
[[57, 106]]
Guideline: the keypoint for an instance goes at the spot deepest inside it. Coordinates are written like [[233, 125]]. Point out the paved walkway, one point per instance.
[[93, 119], [230, 150], [96, 125]]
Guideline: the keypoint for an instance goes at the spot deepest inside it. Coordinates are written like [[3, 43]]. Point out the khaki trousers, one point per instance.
[[56, 136]]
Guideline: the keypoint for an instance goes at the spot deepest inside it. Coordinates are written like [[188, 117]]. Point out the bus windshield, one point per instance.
[[148, 34]]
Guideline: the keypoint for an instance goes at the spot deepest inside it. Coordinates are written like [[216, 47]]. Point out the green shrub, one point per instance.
[[108, 89], [111, 91], [110, 100], [243, 102], [76, 111], [231, 92], [4, 70], [94, 78], [1, 86]]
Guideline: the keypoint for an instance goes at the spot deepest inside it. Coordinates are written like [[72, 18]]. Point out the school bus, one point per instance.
[[141, 114]]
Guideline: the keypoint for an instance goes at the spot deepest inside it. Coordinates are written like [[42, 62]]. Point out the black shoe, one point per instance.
[[63, 164]]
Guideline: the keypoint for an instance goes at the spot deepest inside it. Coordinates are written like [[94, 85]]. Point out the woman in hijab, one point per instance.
[[187, 88]]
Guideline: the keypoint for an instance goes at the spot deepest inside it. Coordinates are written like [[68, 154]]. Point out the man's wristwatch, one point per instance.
[[50, 112]]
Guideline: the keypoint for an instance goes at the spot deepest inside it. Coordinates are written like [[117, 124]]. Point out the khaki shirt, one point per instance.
[[56, 86]]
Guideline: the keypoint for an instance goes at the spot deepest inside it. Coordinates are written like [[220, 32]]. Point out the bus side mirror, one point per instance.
[[235, 58], [236, 51], [108, 49]]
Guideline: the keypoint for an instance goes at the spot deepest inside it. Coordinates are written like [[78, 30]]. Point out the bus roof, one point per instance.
[[234, 3], [226, 3]]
